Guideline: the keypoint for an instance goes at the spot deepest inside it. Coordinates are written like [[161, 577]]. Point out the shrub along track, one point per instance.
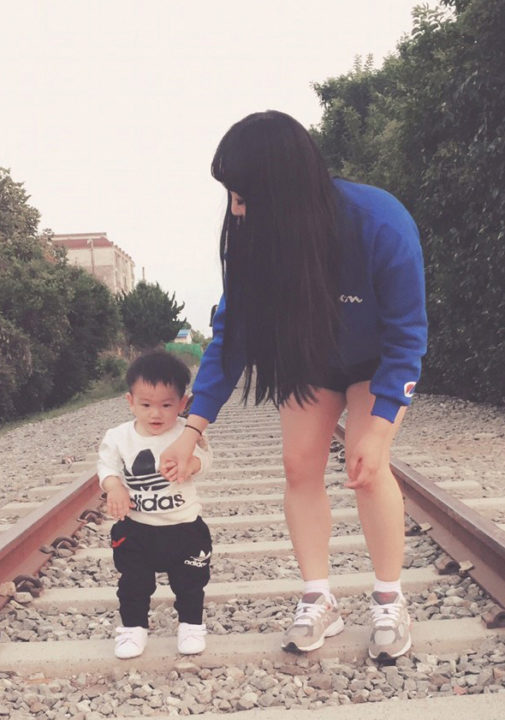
[[62, 638]]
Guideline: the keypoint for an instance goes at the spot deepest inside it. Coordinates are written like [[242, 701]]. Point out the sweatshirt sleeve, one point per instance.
[[109, 458], [212, 386], [399, 287]]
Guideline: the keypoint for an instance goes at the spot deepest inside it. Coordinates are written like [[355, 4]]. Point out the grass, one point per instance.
[[103, 389]]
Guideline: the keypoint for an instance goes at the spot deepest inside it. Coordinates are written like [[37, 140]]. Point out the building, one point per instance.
[[184, 336], [102, 258]]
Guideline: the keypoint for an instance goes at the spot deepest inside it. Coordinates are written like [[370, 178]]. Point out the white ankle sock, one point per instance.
[[322, 586], [387, 586]]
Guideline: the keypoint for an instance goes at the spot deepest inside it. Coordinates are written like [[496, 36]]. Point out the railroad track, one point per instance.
[[61, 639]]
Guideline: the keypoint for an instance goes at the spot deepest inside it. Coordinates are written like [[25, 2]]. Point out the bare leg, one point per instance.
[[306, 435], [380, 504]]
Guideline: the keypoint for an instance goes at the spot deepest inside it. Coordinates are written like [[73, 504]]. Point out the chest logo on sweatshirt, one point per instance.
[[143, 474], [350, 299], [408, 389]]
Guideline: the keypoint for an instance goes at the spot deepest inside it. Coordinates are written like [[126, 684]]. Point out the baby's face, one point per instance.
[[155, 407]]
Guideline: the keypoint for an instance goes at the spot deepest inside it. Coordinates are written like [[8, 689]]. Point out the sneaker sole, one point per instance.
[[385, 655], [190, 652], [128, 657], [333, 629]]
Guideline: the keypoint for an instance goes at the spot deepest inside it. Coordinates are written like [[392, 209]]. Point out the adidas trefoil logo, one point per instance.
[[200, 560]]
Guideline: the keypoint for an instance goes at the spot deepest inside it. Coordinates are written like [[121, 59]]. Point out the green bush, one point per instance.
[[55, 318], [15, 365], [190, 353], [93, 323], [111, 365], [32, 392]]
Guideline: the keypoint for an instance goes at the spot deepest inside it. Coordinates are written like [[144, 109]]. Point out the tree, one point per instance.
[[457, 118], [150, 316], [93, 324], [17, 218], [54, 319], [32, 297], [200, 339], [430, 127], [15, 365], [346, 102]]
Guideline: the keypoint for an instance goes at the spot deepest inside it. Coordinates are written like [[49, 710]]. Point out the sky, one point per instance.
[[112, 111]]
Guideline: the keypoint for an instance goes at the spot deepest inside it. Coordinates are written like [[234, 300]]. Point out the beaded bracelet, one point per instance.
[[193, 428]]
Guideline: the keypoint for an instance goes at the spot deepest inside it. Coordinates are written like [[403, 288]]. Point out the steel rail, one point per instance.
[[475, 543], [61, 516]]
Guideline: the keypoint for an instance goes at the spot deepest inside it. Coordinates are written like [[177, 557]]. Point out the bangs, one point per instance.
[[229, 165], [270, 155]]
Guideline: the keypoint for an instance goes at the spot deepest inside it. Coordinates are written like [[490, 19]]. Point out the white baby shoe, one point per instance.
[[191, 638], [130, 641]]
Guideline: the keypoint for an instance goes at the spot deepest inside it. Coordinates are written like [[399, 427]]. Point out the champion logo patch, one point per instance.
[[409, 389], [350, 299]]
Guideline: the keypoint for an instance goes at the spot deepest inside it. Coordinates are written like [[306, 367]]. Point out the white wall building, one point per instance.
[[184, 336], [102, 258]]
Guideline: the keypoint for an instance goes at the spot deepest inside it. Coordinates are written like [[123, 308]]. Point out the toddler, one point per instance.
[[159, 527]]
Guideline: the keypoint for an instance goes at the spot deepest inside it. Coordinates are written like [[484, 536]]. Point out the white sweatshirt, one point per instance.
[[135, 459]]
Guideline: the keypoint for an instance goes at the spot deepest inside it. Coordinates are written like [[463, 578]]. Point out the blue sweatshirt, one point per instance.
[[381, 284]]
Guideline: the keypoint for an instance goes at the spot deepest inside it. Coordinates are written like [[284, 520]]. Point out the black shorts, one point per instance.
[[339, 379]]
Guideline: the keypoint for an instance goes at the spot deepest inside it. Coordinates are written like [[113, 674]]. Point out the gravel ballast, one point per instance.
[[452, 439], [468, 437], [450, 598], [302, 683]]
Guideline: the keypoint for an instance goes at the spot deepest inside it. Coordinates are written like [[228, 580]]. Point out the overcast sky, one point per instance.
[[112, 110]]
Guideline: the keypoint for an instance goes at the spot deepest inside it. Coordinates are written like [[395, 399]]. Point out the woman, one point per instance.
[[324, 299]]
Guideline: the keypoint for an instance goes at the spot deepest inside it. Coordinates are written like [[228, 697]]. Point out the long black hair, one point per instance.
[[280, 261]]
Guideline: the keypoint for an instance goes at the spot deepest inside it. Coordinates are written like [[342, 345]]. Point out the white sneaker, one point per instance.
[[130, 641], [191, 638], [316, 618], [390, 636]]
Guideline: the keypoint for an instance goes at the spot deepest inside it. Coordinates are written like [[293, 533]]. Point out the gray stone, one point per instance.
[[361, 696], [485, 677], [185, 666], [23, 598], [264, 683], [106, 708], [247, 701], [266, 699], [321, 681]]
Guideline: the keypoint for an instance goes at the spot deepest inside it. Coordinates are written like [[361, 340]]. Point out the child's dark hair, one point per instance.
[[159, 366]]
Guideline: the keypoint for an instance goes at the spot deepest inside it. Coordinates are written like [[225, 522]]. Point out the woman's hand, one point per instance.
[[175, 461], [366, 457]]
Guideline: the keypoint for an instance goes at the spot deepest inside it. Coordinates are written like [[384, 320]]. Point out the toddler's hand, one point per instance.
[[118, 502], [169, 470]]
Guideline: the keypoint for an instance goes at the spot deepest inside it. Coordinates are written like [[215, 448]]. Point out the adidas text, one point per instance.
[[155, 502]]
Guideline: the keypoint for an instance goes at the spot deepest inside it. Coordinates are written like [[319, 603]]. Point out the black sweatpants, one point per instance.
[[183, 551]]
